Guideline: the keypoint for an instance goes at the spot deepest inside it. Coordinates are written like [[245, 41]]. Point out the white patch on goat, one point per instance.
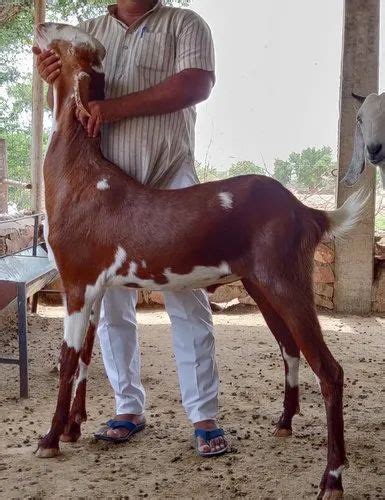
[[199, 277], [226, 200], [48, 32], [51, 256], [54, 113], [75, 324], [82, 375], [81, 75], [343, 220], [144, 265], [337, 472], [318, 381], [292, 367], [103, 185]]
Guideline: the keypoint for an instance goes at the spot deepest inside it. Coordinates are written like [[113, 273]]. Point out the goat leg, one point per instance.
[[74, 331], [78, 413], [290, 355], [300, 317]]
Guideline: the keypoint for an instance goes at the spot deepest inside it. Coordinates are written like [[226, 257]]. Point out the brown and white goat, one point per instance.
[[106, 229]]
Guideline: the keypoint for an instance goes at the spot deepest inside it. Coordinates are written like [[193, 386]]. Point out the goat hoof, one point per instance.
[[69, 438], [332, 495], [72, 432], [47, 452], [281, 432]]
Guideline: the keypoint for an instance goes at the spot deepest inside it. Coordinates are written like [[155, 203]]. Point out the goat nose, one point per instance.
[[374, 148]]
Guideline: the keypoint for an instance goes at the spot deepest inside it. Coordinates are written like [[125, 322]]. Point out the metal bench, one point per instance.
[[22, 275]]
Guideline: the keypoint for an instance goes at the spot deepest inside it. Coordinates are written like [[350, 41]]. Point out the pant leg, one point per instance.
[[119, 344], [193, 338], [194, 347]]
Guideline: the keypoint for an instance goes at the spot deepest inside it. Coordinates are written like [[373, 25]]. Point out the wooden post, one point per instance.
[[3, 175], [37, 122], [360, 68]]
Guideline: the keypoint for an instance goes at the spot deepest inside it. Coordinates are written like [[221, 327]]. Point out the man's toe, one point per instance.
[[116, 433], [203, 446]]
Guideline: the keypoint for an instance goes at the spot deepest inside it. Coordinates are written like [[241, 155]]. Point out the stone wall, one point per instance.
[[323, 275], [15, 235]]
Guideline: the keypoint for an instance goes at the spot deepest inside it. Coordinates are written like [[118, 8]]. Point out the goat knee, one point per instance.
[[332, 382]]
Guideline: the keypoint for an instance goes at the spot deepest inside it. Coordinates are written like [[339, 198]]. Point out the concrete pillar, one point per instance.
[[360, 68], [3, 175]]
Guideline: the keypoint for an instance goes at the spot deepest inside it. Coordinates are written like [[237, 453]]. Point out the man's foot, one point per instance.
[[121, 434], [206, 446]]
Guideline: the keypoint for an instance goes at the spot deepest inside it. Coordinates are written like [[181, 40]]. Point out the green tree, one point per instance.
[[245, 167], [309, 169], [207, 173], [283, 171]]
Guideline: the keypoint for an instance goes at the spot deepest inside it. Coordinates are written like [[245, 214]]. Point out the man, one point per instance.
[[159, 64]]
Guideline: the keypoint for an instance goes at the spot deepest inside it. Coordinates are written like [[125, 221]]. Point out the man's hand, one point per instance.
[[101, 112], [187, 88], [48, 64]]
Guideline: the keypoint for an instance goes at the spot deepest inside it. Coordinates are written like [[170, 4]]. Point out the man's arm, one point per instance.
[[192, 82], [187, 88]]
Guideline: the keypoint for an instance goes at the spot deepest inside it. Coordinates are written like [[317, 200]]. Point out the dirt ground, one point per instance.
[[160, 462]]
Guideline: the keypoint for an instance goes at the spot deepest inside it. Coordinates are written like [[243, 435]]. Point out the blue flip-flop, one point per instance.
[[208, 436], [120, 424]]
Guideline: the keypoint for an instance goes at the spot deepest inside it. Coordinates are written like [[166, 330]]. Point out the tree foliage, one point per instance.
[[245, 168], [207, 173], [283, 171], [309, 169]]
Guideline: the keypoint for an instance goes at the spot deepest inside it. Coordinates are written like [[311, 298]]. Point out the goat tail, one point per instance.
[[343, 219]]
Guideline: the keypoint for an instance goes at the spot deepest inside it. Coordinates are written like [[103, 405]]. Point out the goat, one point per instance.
[[369, 140], [107, 229]]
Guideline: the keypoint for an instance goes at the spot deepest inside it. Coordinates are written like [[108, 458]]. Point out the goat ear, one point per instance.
[[82, 91], [357, 164], [358, 97]]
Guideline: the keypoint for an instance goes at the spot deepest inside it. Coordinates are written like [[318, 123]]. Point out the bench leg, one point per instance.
[[23, 348], [35, 300]]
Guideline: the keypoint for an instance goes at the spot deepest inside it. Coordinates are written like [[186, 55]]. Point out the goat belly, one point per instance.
[[198, 277]]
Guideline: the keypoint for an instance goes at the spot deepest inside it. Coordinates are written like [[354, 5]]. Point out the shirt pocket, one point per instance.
[[155, 51]]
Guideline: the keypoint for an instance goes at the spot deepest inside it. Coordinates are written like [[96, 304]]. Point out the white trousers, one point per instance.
[[193, 341]]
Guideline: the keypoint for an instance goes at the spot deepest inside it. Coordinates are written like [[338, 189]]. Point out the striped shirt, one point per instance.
[[165, 41]]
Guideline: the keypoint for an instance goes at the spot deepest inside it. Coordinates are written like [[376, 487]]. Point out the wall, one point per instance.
[[15, 236]]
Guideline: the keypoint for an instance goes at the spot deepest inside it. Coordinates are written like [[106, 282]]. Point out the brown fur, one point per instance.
[[268, 239]]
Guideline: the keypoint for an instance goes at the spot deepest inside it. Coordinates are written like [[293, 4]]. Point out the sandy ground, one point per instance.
[[160, 462]]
